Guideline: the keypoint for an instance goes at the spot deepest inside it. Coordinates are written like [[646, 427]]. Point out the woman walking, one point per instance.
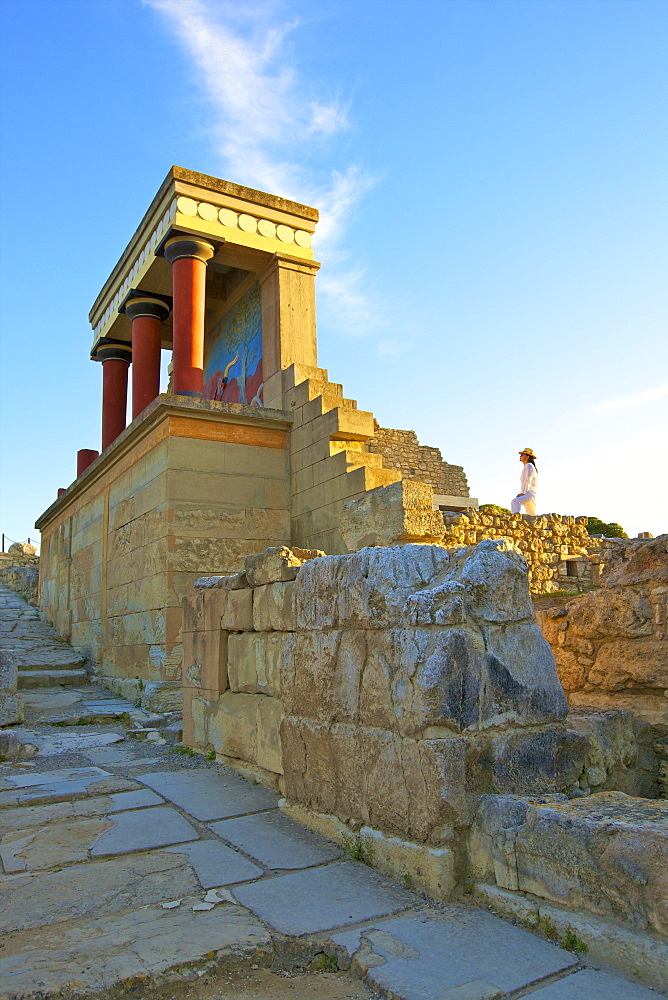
[[528, 484]]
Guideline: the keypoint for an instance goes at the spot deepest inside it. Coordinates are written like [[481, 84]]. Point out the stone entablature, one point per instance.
[[402, 451], [205, 206]]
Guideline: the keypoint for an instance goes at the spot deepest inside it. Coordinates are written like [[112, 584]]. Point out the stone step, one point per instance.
[[58, 658], [47, 678]]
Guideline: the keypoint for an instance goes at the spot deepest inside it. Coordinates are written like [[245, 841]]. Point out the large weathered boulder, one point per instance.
[[415, 636], [22, 549]]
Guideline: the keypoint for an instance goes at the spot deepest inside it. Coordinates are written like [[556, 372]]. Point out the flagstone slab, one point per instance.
[[92, 888], [216, 864], [463, 953], [111, 757], [320, 899], [38, 848], [77, 775], [97, 953], [276, 841], [142, 830], [210, 795], [142, 798], [592, 985], [63, 742]]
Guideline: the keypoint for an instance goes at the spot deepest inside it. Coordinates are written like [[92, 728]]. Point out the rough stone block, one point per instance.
[[238, 611], [604, 853], [205, 660], [8, 671], [488, 663], [392, 515], [277, 564], [11, 708], [237, 581], [272, 607], [255, 662], [246, 726], [410, 788]]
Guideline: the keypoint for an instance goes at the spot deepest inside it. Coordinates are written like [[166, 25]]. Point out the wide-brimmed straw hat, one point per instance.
[[528, 451]]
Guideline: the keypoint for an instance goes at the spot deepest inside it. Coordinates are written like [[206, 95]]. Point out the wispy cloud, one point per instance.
[[269, 125], [647, 396]]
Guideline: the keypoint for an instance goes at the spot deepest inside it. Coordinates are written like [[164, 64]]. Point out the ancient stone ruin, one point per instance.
[[404, 701], [333, 612]]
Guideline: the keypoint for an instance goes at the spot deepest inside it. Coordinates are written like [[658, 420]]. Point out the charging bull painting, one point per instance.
[[233, 363]]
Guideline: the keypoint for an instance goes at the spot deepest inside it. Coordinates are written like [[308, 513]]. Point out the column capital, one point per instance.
[[139, 303], [179, 245], [107, 349]]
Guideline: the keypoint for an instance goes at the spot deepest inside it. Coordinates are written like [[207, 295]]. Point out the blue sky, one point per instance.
[[492, 179]]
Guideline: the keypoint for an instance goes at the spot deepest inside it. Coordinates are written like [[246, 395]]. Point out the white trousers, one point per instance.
[[525, 499]]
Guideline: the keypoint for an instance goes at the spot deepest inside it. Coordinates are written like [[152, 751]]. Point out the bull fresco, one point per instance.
[[233, 354]]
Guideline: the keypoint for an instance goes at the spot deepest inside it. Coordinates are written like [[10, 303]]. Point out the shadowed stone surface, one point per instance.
[[143, 829], [216, 864], [591, 985], [604, 853], [422, 957], [208, 796], [322, 898], [276, 841]]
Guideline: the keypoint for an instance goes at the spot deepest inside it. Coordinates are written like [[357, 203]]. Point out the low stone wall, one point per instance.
[[405, 703], [402, 451], [611, 644], [555, 546]]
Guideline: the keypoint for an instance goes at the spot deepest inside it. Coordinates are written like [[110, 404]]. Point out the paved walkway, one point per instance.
[[123, 858]]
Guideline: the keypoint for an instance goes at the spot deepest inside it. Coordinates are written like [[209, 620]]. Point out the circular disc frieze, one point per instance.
[[267, 228], [186, 206], [247, 223], [228, 218]]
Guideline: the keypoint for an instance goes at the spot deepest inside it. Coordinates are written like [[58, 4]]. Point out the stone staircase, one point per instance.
[[42, 657], [329, 460]]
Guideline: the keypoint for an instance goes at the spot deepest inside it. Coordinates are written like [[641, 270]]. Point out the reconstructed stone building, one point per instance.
[[253, 446]]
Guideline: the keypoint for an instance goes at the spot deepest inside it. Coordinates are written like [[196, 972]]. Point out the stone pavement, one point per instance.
[[125, 861]]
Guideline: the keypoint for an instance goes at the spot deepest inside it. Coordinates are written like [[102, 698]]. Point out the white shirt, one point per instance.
[[529, 481]]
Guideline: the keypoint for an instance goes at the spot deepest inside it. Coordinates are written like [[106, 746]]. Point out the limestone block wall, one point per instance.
[[379, 690], [611, 644], [235, 631], [548, 542], [187, 489], [401, 450], [405, 703]]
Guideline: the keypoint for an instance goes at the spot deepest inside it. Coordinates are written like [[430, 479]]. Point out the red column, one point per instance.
[[147, 312], [115, 357], [85, 456], [188, 257]]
